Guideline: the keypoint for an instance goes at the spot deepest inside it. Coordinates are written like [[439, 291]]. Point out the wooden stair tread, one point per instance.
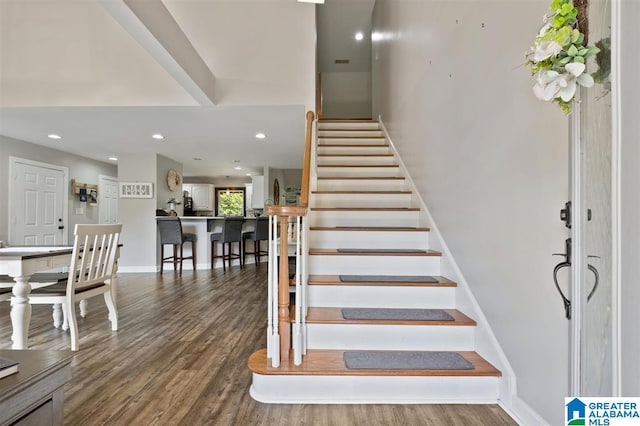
[[335, 252], [362, 177], [335, 280], [368, 228], [347, 129], [361, 192], [356, 155], [337, 145], [323, 362], [357, 165], [322, 315], [347, 120], [367, 209], [348, 137]]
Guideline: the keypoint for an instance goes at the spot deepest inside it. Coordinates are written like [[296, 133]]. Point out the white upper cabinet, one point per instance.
[[203, 195]]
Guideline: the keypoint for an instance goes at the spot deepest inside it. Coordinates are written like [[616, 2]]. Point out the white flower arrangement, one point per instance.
[[557, 58]]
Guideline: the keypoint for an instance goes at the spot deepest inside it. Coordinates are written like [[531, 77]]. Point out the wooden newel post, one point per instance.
[[284, 322]]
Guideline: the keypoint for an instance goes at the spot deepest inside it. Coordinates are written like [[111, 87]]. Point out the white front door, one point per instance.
[[38, 197], [108, 199]]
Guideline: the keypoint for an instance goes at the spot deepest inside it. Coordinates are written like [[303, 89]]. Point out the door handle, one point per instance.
[[60, 225]]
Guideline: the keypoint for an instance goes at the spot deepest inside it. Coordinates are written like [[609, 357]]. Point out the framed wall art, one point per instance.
[[136, 189]]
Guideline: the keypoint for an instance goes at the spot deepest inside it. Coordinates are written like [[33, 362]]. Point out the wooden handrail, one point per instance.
[[306, 162]]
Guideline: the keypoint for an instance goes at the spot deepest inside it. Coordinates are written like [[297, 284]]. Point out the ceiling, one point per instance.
[[71, 68]]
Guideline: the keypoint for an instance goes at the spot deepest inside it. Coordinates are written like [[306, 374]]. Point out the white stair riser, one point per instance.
[[352, 141], [350, 133], [337, 150], [377, 239], [360, 159], [364, 218], [374, 389], [358, 171], [361, 200], [348, 125], [355, 296], [361, 185], [390, 337], [371, 265]]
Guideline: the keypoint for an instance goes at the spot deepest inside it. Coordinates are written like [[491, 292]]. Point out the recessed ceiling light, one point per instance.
[[311, 1], [261, 136], [54, 136], [237, 168], [376, 36], [359, 36], [157, 136], [248, 174], [113, 158]]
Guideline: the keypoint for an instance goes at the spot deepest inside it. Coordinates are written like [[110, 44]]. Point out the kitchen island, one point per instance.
[[203, 226]]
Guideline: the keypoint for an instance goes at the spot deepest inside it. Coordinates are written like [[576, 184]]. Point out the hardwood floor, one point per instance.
[[180, 357]]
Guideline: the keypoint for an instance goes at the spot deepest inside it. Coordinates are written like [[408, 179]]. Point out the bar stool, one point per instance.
[[259, 233], [170, 229], [231, 233]]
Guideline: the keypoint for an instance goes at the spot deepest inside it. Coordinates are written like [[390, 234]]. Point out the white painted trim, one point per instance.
[[487, 344], [65, 192], [578, 258], [522, 413], [616, 220]]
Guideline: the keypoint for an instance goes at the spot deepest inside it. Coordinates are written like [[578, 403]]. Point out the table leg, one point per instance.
[[20, 312]]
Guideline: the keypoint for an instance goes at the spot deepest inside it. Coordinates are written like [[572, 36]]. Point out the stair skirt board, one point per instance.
[[346, 296], [372, 264], [375, 389], [357, 239], [390, 337]]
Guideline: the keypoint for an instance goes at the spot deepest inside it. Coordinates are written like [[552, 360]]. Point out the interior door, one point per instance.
[[108, 199], [38, 204], [595, 282]]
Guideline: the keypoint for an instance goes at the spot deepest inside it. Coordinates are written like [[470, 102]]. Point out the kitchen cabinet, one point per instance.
[[257, 195], [203, 195]]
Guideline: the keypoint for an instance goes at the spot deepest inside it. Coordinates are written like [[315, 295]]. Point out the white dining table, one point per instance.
[[20, 263]]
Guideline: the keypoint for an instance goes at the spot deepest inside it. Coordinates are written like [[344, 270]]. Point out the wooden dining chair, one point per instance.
[[91, 273]]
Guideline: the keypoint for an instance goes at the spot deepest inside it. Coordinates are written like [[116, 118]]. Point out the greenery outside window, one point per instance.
[[230, 202]]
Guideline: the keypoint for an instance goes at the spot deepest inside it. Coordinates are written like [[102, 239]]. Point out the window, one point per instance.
[[230, 202]]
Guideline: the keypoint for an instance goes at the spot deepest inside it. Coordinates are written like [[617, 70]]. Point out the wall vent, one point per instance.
[[342, 61]]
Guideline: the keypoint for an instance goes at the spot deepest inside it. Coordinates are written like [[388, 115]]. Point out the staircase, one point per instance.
[[364, 222]]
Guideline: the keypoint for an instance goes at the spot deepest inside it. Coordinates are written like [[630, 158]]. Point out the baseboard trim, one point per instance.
[[522, 413]]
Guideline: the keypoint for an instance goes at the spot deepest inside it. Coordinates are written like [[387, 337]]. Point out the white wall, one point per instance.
[[163, 194], [490, 161], [630, 135], [138, 214], [346, 94], [80, 168]]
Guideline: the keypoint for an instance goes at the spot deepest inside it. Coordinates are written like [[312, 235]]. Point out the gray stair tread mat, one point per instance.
[[396, 314], [405, 360], [358, 250], [389, 278]]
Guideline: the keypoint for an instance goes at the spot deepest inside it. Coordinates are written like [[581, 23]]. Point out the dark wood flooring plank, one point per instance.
[[180, 358]]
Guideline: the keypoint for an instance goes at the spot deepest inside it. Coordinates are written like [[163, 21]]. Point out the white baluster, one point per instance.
[[270, 291], [275, 343], [297, 334], [305, 282]]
